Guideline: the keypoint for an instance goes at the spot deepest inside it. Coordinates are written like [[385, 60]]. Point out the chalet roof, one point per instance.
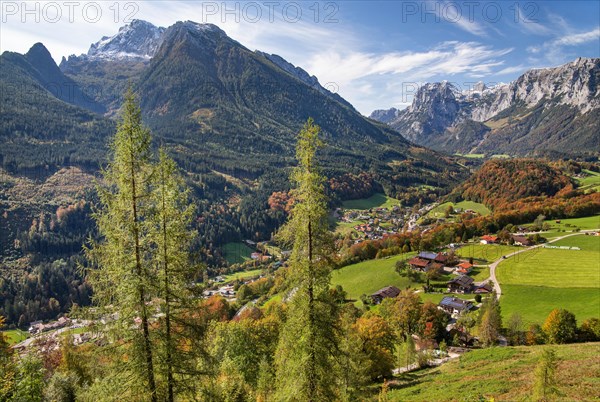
[[388, 291], [489, 238], [485, 288], [418, 262], [443, 258], [436, 265], [456, 303], [461, 280], [465, 265], [428, 255], [522, 239]]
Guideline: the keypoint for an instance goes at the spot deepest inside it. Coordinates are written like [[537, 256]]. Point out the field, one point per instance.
[[502, 374], [377, 200], [485, 253], [536, 281], [556, 268], [369, 276], [586, 223], [440, 210], [534, 303], [472, 156], [236, 253], [15, 336], [242, 275], [591, 182]]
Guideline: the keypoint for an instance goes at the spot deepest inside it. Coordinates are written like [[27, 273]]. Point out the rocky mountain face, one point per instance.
[[139, 39], [114, 61], [551, 109]]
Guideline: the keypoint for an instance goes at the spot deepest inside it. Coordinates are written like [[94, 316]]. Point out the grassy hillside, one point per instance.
[[440, 210], [590, 182], [505, 374], [485, 253], [377, 200], [556, 268], [243, 275], [236, 253], [535, 282], [586, 223], [369, 276]]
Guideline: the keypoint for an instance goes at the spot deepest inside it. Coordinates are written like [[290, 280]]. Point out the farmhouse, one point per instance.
[[460, 284], [483, 288], [488, 239], [464, 268], [387, 292], [419, 264], [444, 259], [454, 305], [522, 241]]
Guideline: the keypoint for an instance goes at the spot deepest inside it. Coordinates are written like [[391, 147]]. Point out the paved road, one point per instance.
[[498, 261]]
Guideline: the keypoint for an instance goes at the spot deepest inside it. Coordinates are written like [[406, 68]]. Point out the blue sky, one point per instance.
[[373, 53]]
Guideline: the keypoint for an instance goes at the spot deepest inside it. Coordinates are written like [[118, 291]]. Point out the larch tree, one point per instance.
[[172, 235], [305, 355], [490, 320], [122, 268], [544, 387]]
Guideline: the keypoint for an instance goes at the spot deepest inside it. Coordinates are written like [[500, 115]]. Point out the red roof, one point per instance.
[[418, 262], [489, 238], [465, 265]]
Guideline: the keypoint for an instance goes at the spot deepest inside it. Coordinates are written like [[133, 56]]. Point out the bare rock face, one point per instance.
[[139, 39], [440, 111]]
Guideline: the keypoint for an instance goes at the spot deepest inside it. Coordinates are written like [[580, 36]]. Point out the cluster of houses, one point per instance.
[[518, 240], [462, 283], [371, 226], [37, 327]]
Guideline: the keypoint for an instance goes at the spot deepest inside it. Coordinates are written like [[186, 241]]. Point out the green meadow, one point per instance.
[[537, 281], [377, 200], [440, 210], [236, 253]]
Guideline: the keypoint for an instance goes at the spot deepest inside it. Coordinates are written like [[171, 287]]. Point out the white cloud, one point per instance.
[[577, 39]]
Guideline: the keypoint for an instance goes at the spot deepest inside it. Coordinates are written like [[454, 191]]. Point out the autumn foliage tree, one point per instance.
[[560, 326]]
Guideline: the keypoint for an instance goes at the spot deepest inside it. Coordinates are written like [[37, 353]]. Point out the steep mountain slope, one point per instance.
[[40, 66], [552, 109], [222, 103], [38, 129]]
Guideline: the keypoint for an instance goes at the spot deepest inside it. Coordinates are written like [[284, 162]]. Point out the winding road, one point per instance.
[[504, 258]]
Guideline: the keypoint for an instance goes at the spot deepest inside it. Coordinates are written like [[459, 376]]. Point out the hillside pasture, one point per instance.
[[485, 253], [556, 267], [237, 253], [440, 210], [501, 374], [568, 225], [539, 280], [377, 200]]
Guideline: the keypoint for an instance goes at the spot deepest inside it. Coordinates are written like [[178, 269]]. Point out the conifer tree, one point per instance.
[[545, 381], [173, 214], [122, 271], [308, 341]]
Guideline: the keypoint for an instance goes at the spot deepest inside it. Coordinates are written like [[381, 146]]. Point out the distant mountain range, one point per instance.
[[220, 107], [551, 110]]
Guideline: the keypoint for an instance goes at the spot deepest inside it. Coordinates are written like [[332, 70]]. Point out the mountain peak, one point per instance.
[[42, 60], [138, 39]]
